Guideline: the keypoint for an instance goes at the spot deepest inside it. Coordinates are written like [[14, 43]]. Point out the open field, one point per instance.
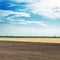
[[12, 50], [29, 48], [43, 40]]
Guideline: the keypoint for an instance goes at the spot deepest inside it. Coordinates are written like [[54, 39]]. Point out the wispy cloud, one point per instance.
[[6, 15], [25, 22], [46, 8], [12, 5], [11, 17], [29, 1]]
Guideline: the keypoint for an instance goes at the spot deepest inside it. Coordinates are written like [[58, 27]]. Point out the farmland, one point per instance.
[[43, 40], [29, 48]]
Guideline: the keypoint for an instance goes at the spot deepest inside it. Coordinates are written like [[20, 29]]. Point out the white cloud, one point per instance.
[[46, 8], [22, 14], [30, 1], [4, 13], [24, 22]]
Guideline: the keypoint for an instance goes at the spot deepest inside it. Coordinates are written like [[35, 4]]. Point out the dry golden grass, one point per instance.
[[44, 40]]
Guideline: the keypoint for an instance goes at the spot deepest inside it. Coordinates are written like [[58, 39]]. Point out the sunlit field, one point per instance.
[[29, 48], [44, 40]]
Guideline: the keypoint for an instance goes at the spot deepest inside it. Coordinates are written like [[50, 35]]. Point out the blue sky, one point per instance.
[[29, 17]]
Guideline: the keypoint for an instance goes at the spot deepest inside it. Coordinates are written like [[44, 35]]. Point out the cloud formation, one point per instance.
[[25, 22], [11, 15], [46, 8], [29, 17]]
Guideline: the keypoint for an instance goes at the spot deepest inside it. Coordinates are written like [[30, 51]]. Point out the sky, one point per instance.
[[29, 17]]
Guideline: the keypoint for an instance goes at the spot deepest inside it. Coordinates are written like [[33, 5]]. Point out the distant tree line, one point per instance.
[[29, 36]]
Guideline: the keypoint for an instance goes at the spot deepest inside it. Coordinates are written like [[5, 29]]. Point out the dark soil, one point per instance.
[[29, 51]]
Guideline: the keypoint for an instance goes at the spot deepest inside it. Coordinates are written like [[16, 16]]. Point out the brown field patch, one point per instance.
[[12, 50]]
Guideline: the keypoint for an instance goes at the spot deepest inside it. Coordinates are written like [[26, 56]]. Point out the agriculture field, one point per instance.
[[44, 40], [29, 48], [12, 50]]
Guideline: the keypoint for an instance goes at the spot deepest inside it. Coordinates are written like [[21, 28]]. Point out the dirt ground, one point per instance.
[[12, 50]]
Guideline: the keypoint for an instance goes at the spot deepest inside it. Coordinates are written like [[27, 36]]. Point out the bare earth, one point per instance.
[[29, 49]]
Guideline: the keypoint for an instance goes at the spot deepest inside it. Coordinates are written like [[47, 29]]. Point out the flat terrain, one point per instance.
[[43, 40], [13, 50]]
